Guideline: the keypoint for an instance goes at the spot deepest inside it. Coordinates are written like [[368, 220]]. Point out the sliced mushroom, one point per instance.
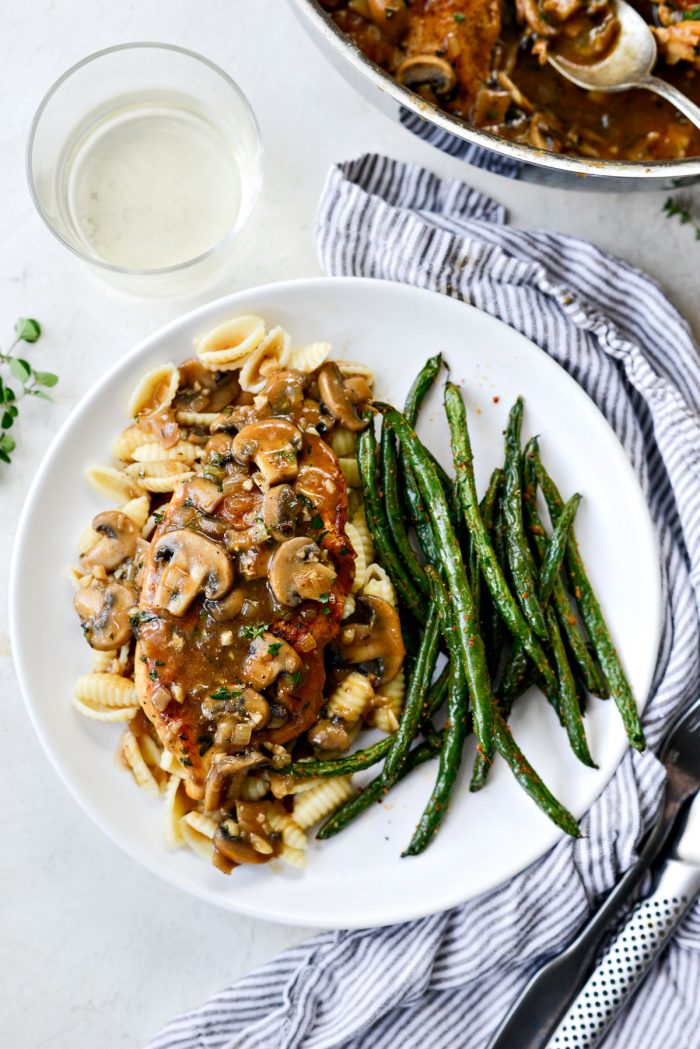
[[390, 17], [202, 390], [254, 563], [298, 574], [328, 734], [191, 564], [272, 444], [117, 542], [246, 839], [380, 639], [269, 656], [228, 608], [427, 71], [223, 768], [280, 510], [104, 614], [338, 399], [240, 701], [285, 391]]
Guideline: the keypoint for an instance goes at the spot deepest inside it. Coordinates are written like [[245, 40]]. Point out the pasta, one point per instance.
[[351, 698], [154, 392], [378, 584], [309, 358], [314, 805], [202, 516], [270, 356], [228, 345]]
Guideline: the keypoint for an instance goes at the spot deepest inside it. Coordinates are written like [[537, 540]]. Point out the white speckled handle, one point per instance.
[[628, 958]]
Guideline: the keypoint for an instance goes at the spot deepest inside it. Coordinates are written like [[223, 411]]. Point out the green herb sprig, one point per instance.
[[32, 383], [680, 210]]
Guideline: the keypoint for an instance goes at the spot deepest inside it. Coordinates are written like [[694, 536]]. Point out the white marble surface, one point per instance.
[[96, 953]]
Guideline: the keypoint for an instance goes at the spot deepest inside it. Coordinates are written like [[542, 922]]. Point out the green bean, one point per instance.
[[415, 696], [421, 387], [567, 704], [456, 729], [482, 762], [309, 768], [516, 668], [470, 640], [593, 618], [577, 643], [490, 568], [419, 516], [519, 554], [377, 523], [434, 700], [375, 790], [530, 781], [394, 510]]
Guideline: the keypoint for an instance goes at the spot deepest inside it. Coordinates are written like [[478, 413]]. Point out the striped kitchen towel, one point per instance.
[[445, 982]]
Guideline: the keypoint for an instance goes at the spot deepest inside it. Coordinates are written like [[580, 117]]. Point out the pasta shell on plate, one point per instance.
[[87, 539], [154, 392], [360, 559], [177, 805], [228, 345], [356, 368], [314, 805], [343, 442], [138, 510], [270, 356], [113, 484], [359, 523], [351, 698], [292, 857], [106, 689], [309, 358], [204, 419], [134, 752], [281, 822], [162, 476], [388, 704], [351, 471], [97, 712], [253, 788], [378, 584], [183, 451], [194, 837], [132, 437]]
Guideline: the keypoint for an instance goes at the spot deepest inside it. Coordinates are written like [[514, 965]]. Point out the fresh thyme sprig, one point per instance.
[[677, 208], [32, 383]]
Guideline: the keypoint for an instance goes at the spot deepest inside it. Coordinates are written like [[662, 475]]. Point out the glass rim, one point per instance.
[[244, 214]]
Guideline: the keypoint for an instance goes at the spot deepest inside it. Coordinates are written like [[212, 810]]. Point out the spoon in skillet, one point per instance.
[[627, 65], [540, 1008]]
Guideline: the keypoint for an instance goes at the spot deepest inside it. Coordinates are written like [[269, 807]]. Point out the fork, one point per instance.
[[537, 1013]]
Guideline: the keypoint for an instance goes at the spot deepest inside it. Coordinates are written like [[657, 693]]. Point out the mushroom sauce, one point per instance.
[[237, 615], [484, 61]]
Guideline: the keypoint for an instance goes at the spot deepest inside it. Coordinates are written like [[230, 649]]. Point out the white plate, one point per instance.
[[358, 878]]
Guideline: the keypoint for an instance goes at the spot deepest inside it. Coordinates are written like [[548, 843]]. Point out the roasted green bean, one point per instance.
[[490, 568], [471, 642], [593, 618], [519, 554]]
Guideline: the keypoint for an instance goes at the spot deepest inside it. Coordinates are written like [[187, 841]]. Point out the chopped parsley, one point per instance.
[[158, 516], [317, 522], [185, 761], [459, 18], [685, 216], [252, 631], [296, 676], [153, 674], [324, 598], [223, 693], [159, 662], [205, 743], [137, 619], [274, 648]]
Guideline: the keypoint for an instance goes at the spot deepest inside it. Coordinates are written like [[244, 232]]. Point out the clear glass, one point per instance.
[[145, 160]]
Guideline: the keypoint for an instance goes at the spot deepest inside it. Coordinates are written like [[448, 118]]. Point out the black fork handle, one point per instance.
[[542, 1005]]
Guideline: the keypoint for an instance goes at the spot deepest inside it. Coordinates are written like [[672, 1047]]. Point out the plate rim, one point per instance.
[[230, 903]]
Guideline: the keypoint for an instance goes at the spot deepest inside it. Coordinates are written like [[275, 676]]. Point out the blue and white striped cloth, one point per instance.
[[445, 982]]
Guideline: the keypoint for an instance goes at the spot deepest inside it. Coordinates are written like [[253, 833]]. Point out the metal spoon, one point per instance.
[[628, 65]]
